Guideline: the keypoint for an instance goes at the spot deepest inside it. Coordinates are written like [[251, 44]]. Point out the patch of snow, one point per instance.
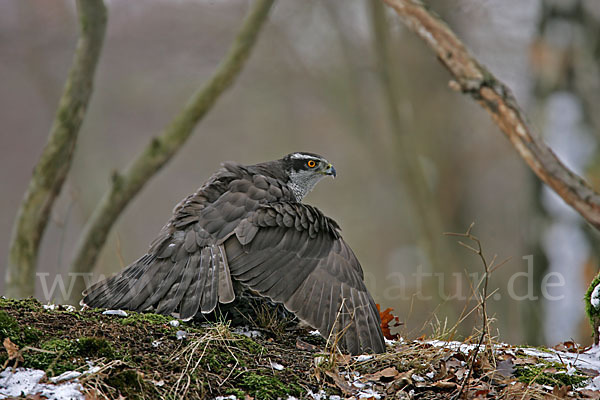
[[247, 332], [156, 343], [277, 366], [66, 376], [119, 313], [364, 357], [315, 333], [92, 370], [26, 382], [50, 306], [369, 394], [180, 335], [430, 374], [230, 397], [595, 298], [320, 395], [174, 323], [418, 378]]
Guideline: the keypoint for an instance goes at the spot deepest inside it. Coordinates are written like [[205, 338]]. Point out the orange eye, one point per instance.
[[311, 163]]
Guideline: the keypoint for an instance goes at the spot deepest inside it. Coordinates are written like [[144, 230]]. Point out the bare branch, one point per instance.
[[496, 98], [161, 149], [55, 161]]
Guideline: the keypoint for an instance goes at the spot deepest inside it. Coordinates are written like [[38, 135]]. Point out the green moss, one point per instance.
[[95, 347], [592, 313], [240, 394], [128, 383], [29, 304], [148, 318], [61, 355], [249, 345], [19, 335], [538, 374], [263, 386]]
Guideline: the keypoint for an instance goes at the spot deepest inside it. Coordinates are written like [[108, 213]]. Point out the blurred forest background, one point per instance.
[[414, 158]]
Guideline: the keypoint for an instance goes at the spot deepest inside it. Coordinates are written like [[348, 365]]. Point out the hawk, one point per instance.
[[247, 224]]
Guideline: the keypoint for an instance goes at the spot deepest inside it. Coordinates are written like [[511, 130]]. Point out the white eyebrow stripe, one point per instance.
[[300, 156]]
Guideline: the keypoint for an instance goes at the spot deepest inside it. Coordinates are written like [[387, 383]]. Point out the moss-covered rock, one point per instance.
[[547, 373], [592, 306]]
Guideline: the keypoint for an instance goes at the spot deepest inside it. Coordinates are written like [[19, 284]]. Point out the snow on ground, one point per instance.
[[26, 382], [589, 360]]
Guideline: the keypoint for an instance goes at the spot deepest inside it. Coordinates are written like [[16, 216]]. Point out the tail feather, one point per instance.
[[173, 275], [226, 293], [210, 293], [109, 292], [193, 296], [173, 297], [148, 283], [186, 283]]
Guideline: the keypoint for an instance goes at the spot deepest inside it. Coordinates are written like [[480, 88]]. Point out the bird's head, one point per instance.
[[305, 170]]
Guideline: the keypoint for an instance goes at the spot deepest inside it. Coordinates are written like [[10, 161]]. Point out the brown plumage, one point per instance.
[[247, 224]]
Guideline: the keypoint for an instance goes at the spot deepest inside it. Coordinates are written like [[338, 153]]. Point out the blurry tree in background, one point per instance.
[[344, 79], [54, 164]]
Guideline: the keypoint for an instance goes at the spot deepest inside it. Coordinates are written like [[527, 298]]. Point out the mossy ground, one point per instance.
[[140, 357]]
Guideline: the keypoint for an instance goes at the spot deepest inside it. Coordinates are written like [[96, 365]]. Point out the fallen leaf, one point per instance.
[[505, 369], [302, 345], [12, 350], [388, 320], [445, 385], [561, 392], [340, 382], [386, 374]]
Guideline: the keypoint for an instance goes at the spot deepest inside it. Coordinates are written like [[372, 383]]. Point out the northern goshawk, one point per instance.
[[248, 224]]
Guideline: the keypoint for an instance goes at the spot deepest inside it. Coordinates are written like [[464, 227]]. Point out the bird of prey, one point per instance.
[[248, 224]]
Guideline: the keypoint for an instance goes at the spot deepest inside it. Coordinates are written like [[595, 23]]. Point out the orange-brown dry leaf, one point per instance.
[[388, 320], [12, 350]]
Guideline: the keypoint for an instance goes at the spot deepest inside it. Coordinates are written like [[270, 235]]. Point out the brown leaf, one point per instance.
[[561, 392], [386, 374], [445, 385], [340, 382], [570, 347], [589, 394], [388, 320], [12, 350], [302, 345]]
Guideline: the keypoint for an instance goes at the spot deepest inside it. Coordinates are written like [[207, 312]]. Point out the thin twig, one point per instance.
[[482, 299]]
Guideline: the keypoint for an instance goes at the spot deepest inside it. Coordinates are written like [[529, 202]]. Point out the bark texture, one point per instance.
[[55, 161]]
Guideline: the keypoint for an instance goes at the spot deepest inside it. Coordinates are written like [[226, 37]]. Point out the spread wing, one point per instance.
[[186, 268], [293, 254]]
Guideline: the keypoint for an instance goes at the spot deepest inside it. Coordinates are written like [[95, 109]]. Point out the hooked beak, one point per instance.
[[330, 171]]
